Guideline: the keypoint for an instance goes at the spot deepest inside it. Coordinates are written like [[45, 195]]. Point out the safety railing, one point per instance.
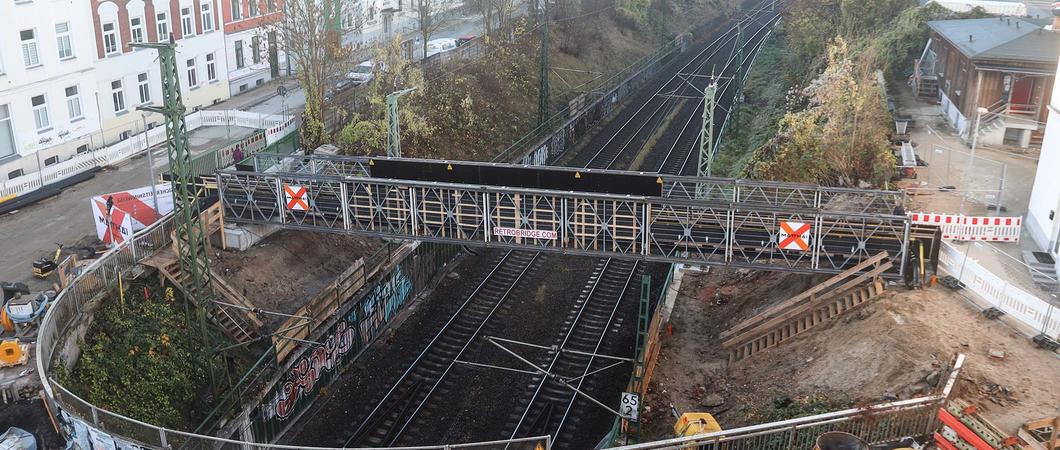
[[64, 326]]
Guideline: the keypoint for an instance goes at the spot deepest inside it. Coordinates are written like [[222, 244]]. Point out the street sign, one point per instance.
[[630, 408], [296, 200], [794, 236]]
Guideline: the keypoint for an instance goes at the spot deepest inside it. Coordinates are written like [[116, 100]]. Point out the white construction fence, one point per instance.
[[277, 127]]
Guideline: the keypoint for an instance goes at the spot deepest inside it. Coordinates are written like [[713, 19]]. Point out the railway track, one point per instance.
[[551, 401], [551, 406], [679, 155], [633, 129], [393, 414]]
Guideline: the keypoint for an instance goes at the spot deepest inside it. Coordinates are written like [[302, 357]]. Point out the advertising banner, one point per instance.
[[120, 214]]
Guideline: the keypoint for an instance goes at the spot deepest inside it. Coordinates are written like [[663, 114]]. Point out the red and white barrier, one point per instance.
[[973, 228]]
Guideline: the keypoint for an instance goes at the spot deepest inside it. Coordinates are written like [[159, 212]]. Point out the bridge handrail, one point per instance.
[[60, 325]]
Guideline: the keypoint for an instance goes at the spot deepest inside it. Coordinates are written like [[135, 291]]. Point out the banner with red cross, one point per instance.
[[296, 197], [794, 236]]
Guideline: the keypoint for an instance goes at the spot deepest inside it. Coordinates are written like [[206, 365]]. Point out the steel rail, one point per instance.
[[570, 332]]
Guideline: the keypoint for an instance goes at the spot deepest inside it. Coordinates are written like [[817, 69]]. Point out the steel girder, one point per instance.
[[736, 225]]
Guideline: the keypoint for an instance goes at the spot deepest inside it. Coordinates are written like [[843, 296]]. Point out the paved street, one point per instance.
[[32, 232]]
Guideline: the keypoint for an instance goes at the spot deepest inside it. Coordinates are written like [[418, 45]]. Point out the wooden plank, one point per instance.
[[793, 312], [805, 295]]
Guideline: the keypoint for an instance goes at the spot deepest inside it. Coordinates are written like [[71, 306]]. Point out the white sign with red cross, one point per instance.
[[794, 236], [296, 198]]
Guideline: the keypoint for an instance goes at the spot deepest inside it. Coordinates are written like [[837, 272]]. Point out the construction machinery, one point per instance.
[[693, 423], [45, 266]]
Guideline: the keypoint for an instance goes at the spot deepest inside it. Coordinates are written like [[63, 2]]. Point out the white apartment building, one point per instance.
[[128, 78], [48, 107], [1043, 213]]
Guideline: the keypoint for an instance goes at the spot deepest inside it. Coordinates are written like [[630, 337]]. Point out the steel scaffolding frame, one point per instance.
[[738, 225]]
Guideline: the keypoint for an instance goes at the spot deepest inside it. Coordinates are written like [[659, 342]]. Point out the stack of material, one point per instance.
[[963, 428]]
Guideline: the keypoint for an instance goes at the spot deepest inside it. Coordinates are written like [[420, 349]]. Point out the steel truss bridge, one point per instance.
[[647, 216]]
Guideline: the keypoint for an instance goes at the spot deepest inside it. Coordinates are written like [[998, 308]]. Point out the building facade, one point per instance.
[[1043, 222], [253, 52], [1003, 66], [128, 78], [48, 108]]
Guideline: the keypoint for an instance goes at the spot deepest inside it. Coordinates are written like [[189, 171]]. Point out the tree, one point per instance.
[[841, 138], [310, 30], [428, 17]]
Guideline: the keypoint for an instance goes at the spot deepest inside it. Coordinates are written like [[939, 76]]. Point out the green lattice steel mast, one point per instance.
[[706, 133], [543, 89], [189, 233]]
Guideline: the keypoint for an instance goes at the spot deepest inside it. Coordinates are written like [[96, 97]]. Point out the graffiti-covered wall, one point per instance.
[[356, 324]]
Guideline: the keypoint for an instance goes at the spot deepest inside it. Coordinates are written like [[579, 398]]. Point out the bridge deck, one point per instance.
[[708, 221]]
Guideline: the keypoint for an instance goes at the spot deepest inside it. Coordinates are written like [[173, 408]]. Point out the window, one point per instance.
[[144, 87], [211, 68], [7, 133], [270, 5], [51, 160], [30, 58], [117, 95], [254, 8], [255, 49], [110, 39], [207, 16], [187, 27], [40, 113], [73, 103], [193, 79], [237, 9], [239, 54], [162, 23], [136, 26], [15, 174], [62, 40]]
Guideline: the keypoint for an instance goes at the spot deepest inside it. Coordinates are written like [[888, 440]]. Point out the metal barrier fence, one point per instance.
[[1023, 292], [136, 144]]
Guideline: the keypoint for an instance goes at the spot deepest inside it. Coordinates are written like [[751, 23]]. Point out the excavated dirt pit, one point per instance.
[[891, 348]]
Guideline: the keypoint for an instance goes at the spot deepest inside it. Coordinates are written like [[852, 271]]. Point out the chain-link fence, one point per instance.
[[970, 184]]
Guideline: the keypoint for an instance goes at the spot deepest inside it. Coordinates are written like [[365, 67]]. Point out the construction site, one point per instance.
[[602, 283]]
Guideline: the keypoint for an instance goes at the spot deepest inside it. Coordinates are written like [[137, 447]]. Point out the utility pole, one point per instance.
[[393, 126], [189, 233], [742, 58], [543, 90], [706, 134]]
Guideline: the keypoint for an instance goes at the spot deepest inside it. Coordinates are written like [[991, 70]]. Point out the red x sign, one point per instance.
[[296, 200], [794, 236]]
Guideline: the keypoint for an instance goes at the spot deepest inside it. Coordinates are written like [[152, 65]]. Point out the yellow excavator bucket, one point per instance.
[[693, 423]]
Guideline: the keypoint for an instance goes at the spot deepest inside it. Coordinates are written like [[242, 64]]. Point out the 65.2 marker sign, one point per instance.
[[630, 407]]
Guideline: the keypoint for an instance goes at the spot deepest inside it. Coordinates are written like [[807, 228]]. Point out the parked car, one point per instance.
[[463, 40], [363, 73], [436, 46]]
